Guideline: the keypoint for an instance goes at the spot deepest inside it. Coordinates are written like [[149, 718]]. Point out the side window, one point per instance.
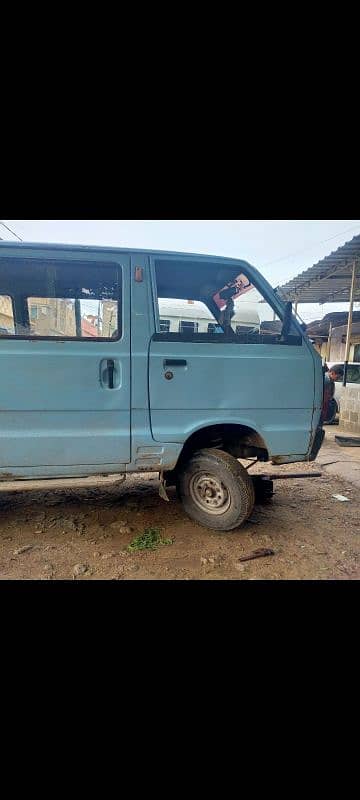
[[338, 369], [353, 375], [7, 327], [209, 300], [67, 300]]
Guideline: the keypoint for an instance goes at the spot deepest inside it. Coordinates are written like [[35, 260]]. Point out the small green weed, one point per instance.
[[149, 540]]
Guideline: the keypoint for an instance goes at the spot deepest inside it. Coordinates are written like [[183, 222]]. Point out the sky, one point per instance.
[[280, 249]]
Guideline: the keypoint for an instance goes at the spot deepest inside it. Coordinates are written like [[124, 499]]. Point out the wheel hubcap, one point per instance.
[[209, 493]]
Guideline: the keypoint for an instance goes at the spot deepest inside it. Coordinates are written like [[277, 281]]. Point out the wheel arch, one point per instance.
[[236, 439]]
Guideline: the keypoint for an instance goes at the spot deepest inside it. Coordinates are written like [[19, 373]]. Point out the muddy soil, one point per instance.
[[83, 534]]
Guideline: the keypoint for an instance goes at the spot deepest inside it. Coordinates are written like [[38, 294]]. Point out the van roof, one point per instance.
[[100, 248]]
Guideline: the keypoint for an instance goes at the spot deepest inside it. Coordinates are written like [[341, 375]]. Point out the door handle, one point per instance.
[[111, 370], [110, 375], [174, 362]]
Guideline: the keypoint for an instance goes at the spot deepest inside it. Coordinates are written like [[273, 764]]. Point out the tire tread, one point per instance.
[[230, 520]]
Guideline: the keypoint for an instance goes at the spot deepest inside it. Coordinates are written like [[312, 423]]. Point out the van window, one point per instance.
[[7, 327], [353, 374], [63, 299], [204, 301]]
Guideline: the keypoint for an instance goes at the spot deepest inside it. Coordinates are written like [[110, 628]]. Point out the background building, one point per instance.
[[329, 336], [6, 314]]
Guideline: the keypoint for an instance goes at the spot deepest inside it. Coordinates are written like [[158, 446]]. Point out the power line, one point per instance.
[[9, 229], [310, 247]]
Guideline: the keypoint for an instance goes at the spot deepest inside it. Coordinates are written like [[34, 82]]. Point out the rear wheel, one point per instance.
[[216, 490]]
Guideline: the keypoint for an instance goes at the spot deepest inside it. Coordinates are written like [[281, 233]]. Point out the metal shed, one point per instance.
[[334, 279], [328, 281]]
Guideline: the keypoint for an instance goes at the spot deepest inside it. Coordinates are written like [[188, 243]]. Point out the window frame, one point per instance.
[[23, 299], [292, 340]]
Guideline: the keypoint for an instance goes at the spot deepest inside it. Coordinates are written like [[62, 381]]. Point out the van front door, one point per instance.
[[235, 367], [64, 360]]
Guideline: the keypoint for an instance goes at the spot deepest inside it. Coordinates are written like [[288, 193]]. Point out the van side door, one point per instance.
[[202, 375], [65, 361]]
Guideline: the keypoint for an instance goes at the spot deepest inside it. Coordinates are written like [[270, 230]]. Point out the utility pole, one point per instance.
[[78, 319], [328, 348], [349, 328]]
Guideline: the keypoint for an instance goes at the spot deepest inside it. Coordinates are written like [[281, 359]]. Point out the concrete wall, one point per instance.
[[350, 410]]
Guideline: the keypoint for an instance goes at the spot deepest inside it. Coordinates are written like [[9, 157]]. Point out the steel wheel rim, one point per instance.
[[209, 494]]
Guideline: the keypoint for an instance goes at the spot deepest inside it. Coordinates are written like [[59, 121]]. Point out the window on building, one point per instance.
[[164, 325], [7, 327], [188, 327], [54, 317], [353, 374], [240, 329], [67, 299]]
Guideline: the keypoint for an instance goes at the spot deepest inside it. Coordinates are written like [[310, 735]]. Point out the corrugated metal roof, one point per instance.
[[321, 327], [340, 333], [329, 280]]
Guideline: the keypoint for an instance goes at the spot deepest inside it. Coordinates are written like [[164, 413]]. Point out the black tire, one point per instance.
[[231, 495]]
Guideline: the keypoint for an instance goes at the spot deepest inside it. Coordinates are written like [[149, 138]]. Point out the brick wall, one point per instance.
[[350, 409]]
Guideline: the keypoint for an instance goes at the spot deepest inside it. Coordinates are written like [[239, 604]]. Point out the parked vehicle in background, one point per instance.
[[353, 379], [123, 361], [192, 316]]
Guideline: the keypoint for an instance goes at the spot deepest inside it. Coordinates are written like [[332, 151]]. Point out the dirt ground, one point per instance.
[[83, 533]]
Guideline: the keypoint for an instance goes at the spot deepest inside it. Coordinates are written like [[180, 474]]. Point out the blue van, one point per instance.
[[94, 380]]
